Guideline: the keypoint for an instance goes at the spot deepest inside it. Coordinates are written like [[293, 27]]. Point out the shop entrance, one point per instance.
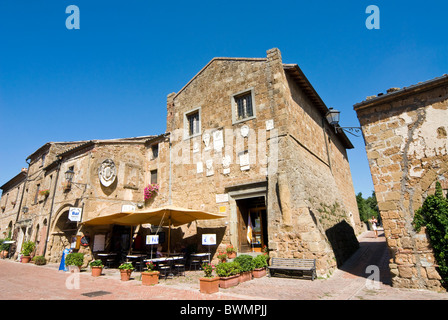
[[252, 224]]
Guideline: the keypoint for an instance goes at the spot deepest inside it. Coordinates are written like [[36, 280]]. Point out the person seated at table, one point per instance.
[[159, 252]]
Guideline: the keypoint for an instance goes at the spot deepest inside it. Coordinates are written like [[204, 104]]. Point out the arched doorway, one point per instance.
[[62, 232]]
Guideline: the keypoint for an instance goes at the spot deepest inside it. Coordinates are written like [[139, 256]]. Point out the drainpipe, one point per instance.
[[52, 204], [170, 176], [23, 190]]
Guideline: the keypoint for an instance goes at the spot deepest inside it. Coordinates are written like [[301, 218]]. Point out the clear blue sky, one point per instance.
[[110, 78]]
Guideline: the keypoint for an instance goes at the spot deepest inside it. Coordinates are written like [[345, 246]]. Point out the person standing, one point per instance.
[[374, 223]]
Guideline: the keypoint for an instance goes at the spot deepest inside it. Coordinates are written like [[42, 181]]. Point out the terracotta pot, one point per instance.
[[96, 271], [259, 273], [245, 276], [231, 255], [150, 278], [25, 259], [74, 269], [209, 285], [227, 282], [4, 254], [125, 275]]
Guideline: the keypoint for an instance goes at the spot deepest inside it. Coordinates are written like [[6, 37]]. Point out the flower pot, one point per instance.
[[96, 271], [245, 276], [209, 285], [74, 268], [25, 259], [231, 255], [227, 282], [259, 272], [150, 278], [125, 275], [4, 254]]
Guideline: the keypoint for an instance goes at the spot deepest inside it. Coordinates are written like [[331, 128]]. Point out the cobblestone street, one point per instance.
[[30, 282]]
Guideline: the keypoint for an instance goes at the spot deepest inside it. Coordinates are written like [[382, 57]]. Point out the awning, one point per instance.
[[164, 216]]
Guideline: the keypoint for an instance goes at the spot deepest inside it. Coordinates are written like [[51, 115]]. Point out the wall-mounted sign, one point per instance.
[[152, 239], [74, 214], [127, 208], [107, 172], [224, 197], [208, 239]]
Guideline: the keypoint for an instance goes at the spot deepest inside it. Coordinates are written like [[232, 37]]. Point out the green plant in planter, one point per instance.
[[260, 261], [97, 263], [227, 269], [28, 247], [246, 262], [74, 259], [126, 266], [4, 246], [39, 260]]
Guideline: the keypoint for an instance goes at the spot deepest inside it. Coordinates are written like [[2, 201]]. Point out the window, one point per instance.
[[243, 107], [155, 151], [192, 123], [37, 193], [153, 176]]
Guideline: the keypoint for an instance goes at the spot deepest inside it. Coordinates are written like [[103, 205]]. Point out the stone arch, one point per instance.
[[61, 230]]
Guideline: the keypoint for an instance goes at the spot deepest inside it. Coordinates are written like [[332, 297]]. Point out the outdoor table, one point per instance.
[[138, 256], [201, 255], [105, 256]]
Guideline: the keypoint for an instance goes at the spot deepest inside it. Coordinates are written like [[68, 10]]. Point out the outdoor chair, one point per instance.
[[179, 267], [165, 270], [195, 262]]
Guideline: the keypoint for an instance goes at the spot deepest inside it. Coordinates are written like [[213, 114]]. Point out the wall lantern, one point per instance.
[[69, 175], [333, 117]]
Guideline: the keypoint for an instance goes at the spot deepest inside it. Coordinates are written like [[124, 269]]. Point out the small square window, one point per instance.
[[155, 151], [192, 123], [243, 106]]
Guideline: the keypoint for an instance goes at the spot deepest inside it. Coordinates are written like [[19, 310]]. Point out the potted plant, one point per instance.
[[246, 263], [208, 283], [45, 193], [260, 264], [228, 273], [125, 271], [222, 256], [4, 248], [151, 190], [27, 248], [150, 276], [231, 252], [39, 260], [74, 261], [97, 267]]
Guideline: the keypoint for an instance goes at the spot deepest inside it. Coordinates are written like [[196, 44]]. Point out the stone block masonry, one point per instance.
[[407, 148]]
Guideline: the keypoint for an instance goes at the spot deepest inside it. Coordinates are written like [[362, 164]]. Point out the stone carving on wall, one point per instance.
[[244, 131], [209, 167], [206, 139], [107, 172], [226, 160]]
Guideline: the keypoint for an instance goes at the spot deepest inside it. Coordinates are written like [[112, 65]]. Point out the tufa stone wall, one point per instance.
[[407, 147]]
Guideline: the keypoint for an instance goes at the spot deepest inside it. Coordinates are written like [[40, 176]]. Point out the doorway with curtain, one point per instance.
[[252, 224]]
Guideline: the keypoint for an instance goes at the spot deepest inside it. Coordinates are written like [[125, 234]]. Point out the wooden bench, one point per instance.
[[290, 266]]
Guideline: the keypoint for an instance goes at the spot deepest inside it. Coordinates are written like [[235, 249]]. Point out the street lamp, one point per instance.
[[333, 117], [69, 175]]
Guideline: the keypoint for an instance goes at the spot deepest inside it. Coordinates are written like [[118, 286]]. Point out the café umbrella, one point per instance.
[[167, 216]]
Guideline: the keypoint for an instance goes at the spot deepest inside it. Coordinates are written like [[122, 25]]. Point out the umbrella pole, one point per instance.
[[169, 235]]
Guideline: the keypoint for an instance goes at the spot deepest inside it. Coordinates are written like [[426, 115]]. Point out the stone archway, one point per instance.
[[61, 231]]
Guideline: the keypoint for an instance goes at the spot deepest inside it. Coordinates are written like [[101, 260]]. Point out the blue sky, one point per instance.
[[110, 78]]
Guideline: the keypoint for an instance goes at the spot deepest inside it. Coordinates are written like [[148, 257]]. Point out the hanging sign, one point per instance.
[[74, 214], [208, 239], [152, 239]]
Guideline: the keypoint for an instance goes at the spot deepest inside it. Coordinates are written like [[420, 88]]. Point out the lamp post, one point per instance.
[[333, 117]]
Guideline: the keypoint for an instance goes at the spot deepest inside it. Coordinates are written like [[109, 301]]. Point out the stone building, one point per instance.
[[249, 138], [245, 137], [407, 147]]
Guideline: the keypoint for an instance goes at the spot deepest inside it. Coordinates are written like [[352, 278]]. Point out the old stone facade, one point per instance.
[[407, 147], [247, 138]]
